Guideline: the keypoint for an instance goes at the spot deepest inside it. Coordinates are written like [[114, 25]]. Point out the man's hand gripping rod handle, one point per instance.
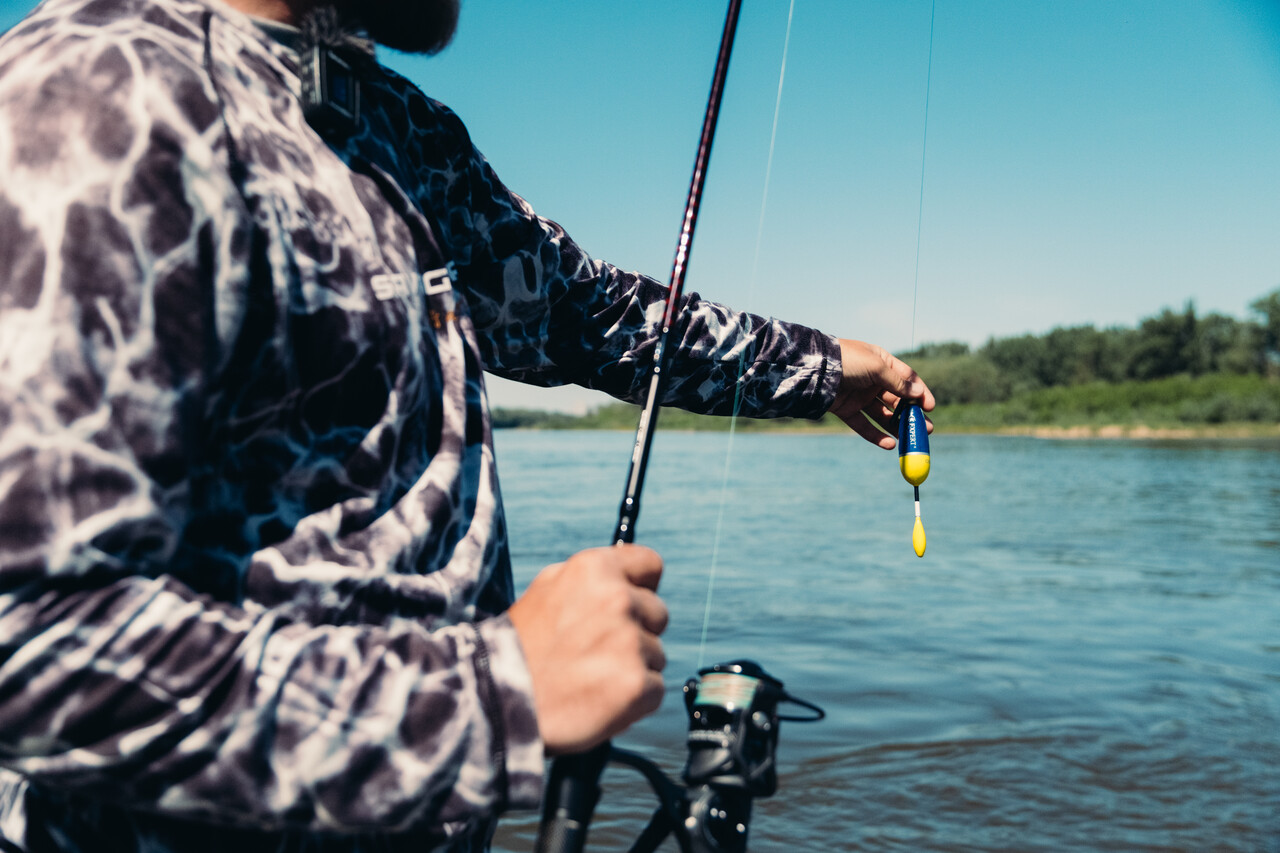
[[574, 786]]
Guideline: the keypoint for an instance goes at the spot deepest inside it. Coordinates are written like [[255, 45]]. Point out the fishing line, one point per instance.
[[737, 394], [924, 147], [912, 426]]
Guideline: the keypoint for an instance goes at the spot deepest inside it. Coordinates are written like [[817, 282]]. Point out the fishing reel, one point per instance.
[[732, 744]]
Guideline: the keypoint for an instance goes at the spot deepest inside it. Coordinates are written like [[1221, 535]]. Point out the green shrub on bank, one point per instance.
[[1176, 401], [1175, 369], [1170, 402]]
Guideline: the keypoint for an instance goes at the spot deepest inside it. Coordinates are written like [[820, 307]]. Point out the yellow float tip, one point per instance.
[[917, 538], [915, 467]]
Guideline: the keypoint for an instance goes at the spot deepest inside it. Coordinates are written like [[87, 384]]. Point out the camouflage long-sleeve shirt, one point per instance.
[[253, 563]]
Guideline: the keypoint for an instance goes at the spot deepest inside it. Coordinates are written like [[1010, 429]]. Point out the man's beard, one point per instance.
[[414, 26]]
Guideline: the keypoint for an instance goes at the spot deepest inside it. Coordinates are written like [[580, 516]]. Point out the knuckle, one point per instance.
[[631, 683], [652, 699], [616, 600], [583, 561], [663, 617]]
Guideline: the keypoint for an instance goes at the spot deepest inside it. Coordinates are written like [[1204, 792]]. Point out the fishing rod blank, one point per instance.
[[629, 510], [574, 785]]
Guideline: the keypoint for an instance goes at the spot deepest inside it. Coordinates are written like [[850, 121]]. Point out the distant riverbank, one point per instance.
[[1143, 432], [1180, 407]]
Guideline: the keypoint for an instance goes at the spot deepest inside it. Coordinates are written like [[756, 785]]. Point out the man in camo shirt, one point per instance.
[[255, 591]]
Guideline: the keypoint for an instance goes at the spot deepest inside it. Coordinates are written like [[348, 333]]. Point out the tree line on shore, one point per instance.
[[1173, 368], [1171, 343]]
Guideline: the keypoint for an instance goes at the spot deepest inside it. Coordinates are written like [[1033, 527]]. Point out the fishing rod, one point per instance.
[[629, 510], [574, 785]]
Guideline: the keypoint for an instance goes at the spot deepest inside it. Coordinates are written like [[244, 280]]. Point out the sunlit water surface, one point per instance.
[[1087, 658]]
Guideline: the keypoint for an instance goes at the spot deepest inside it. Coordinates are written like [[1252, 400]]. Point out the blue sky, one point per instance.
[[1087, 162]]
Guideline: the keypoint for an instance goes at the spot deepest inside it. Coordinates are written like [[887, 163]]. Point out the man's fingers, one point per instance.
[[649, 610], [642, 566], [925, 400], [913, 388], [654, 690], [589, 631], [872, 378], [867, 430], [648, 699], [899, 380], [881, 410], [654, 656]]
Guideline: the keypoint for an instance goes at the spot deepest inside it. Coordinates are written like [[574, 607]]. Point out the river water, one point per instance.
[[1086, 659]]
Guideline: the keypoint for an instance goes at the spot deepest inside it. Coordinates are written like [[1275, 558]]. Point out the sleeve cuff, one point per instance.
[[797, 377], [831, 376], [517, 743]]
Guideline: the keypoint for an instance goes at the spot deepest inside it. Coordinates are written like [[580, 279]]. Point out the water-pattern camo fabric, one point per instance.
[[253, 562]]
